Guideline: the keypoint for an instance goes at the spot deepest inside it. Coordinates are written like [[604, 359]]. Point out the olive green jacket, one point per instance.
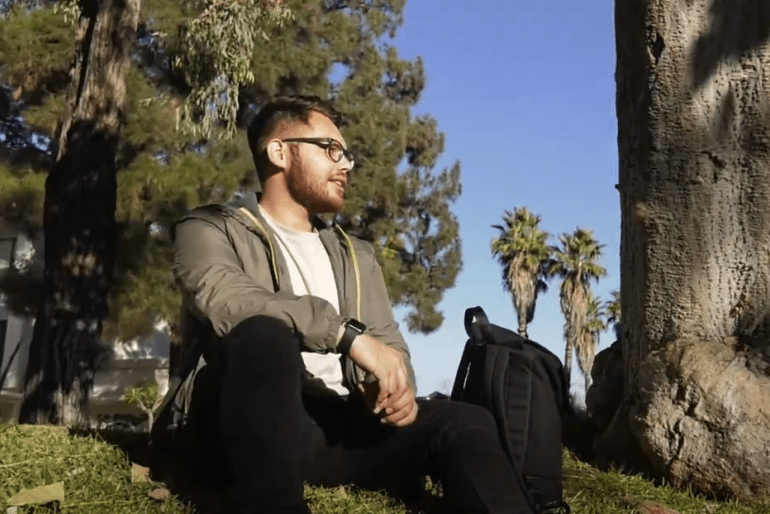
[[229, 268]]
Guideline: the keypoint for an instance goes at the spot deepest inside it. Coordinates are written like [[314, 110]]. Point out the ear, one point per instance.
[[277, 153]]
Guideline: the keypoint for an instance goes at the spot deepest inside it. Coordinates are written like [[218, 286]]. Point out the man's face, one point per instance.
[[312, 178]]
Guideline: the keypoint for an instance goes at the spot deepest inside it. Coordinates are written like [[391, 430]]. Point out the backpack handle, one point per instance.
[[475, 335], [478, 329]]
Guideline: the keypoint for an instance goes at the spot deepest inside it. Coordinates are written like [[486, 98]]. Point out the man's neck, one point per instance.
[[295, 217]]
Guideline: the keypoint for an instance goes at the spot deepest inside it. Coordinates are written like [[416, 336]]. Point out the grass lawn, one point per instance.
[[96, 477]]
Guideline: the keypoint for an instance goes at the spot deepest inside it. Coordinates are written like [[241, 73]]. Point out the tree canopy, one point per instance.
[[399, 200]]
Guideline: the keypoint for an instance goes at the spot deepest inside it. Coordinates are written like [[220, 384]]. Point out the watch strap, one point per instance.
[[343, 347]]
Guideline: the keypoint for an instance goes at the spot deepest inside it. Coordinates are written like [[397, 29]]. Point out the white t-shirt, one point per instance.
[[310, 271]]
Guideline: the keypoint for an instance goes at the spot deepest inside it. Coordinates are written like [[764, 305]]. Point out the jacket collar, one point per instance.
[[250, 200]]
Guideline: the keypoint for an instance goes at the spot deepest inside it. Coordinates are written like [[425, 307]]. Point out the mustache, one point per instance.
[[343, 179]]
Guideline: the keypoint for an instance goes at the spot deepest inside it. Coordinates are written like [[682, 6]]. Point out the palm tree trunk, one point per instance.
[[523, 327], [574, 308], [79, 219], [587, 367], [523, 293]]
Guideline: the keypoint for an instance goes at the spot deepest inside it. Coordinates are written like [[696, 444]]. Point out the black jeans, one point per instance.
[[274, 439]]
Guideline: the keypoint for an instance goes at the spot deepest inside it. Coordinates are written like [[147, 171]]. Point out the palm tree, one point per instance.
[[588, 336], [576, 261], [612, 308], [522, 250]]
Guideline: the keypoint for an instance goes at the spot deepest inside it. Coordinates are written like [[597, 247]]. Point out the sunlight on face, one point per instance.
[[314, 180]]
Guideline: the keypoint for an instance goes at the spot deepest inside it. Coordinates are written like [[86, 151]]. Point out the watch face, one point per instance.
[[356, 325]]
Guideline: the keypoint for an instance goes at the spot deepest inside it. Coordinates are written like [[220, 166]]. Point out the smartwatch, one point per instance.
[[353, 328]]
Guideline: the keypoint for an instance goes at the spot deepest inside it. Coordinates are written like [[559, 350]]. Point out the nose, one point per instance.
[[346, 164]]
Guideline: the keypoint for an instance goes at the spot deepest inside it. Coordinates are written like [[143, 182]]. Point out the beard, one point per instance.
[[311, 190]]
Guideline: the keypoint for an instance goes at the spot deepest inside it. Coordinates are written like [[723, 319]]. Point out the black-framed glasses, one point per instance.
[[334, 148]]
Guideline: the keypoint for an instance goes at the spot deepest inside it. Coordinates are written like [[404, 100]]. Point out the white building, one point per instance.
[[131, 362]]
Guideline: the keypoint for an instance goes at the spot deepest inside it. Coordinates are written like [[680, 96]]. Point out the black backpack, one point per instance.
[[524, 386]]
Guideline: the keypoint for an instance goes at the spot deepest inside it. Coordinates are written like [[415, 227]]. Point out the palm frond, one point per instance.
[[522, 250]]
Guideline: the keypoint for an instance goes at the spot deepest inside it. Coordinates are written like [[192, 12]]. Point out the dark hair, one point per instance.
[[279, 110]]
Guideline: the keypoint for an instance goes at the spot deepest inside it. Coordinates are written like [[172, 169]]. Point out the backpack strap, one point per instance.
[[475, 336], [462, 373]]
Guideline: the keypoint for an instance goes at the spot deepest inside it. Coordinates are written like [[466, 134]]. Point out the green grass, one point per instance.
[[96, 478], [590, 491]]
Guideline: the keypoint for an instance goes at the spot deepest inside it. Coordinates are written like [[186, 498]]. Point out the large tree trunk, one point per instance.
[[79, 218], [693, 107]]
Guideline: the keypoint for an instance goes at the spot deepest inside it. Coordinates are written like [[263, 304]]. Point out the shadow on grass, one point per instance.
[[134, 444], [201, 484]]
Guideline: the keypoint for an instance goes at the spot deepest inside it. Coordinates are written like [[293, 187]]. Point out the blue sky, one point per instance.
[[524, 91]]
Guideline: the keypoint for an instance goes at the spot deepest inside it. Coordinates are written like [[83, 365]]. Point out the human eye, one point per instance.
[[335, 150]]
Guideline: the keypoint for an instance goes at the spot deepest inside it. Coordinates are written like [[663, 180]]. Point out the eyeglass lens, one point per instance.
[[336, 152]]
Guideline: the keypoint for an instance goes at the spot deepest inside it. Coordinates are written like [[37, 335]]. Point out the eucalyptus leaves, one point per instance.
[[218, 47]]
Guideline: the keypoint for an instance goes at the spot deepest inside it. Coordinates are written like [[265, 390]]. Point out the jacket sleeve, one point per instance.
[[208, 271], [379, 318]]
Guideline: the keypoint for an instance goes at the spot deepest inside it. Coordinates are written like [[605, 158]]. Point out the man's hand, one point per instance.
[[394, 398], [403, 412]]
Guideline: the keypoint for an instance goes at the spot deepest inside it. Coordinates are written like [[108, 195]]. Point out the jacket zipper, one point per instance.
[[273, 264], [356, 270]]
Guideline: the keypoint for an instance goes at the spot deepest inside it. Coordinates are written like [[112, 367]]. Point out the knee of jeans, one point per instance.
[[264, 339], [469, 415]]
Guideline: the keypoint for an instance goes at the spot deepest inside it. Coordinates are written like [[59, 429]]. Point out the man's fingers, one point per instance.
[[388, 404], [402, 409], [397, 403], [399, 415], [396, 386], [412, 416], [404, 417], [388, 388], [384, 394]]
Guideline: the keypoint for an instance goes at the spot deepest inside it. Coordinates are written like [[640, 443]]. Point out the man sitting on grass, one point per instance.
[[304, 375]]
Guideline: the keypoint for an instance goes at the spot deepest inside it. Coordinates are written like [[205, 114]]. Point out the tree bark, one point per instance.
[[79, 218], [523, 292], [569, 350], [693, 107]]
